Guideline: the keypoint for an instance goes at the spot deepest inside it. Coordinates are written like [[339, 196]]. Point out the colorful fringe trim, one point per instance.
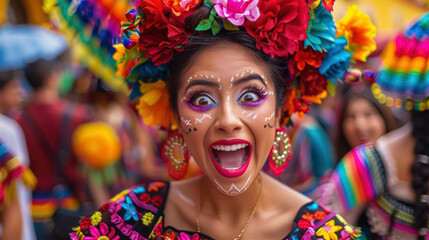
[[11, 170], [91, 29], [403, 81]]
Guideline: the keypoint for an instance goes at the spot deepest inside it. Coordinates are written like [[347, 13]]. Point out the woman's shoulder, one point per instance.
[[315, 222], [135, 213]]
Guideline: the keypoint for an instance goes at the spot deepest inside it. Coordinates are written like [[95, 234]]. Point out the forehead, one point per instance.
[[225, 61]]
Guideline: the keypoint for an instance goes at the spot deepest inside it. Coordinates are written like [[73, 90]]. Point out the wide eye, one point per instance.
[[248, 97], [202, 101]]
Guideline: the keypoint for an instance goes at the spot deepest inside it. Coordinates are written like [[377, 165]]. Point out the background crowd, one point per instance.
[[66, 117]]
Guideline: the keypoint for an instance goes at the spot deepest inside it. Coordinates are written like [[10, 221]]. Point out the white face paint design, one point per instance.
[[187, 122], [200, 120], [232, 189], [269, 118]]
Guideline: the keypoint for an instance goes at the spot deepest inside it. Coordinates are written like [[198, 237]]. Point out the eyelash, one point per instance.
[[192, 95], [259, 90]]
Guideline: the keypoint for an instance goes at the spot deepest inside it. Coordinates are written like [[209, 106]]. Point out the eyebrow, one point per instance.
[[214, 84], [248, 78]]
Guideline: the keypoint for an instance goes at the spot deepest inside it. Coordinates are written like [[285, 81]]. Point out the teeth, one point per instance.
[[229, 147]]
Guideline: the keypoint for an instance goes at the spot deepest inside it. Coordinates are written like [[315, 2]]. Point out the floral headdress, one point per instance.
[[302, 32]]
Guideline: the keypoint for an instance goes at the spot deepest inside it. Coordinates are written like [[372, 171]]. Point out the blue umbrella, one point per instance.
[[21, 44]]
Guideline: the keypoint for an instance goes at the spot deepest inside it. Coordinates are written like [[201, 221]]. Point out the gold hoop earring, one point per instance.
[[175, 155], [281, 152]]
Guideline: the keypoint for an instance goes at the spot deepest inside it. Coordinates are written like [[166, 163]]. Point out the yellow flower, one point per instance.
[[147, 218], [328, 232], [96, 218], [96, 144], [124, 67], [154, 105], [359, 31]]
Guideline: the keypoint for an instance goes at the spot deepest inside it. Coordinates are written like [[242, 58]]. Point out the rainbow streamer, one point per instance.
[[359, 177]]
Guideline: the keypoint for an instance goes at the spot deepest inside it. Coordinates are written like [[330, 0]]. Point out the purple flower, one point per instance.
[[237, 10]]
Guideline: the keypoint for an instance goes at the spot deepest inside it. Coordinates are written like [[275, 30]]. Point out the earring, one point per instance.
[[176, 155], [281, 152]]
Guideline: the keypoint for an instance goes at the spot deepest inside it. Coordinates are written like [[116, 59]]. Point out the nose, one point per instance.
[[228, 119], [361, 123]]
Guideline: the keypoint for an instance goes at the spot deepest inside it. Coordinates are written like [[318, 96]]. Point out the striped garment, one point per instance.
[[361, 179]]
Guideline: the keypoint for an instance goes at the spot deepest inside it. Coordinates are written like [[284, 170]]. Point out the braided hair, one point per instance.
[[420, 170]]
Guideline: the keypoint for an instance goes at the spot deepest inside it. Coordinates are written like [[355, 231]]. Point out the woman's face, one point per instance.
[[362, 123], [227, 115]]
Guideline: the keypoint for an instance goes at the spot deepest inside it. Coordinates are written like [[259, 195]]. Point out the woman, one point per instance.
[[227, 98], [362, 119], [384, 186]]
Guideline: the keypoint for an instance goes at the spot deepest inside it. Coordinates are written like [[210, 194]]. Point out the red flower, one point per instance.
[[319, 215], [145, 198], [310, 57], [312, 83], [301, 105], [280, 27], [104, 207], [157, 201], [329, 5], [163, 33], [85, 223], [303, 224]]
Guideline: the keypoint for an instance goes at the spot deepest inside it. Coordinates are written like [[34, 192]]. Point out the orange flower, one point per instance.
[[154, 105], [357, 28], [123, 65], [96, 144], [180, 6]]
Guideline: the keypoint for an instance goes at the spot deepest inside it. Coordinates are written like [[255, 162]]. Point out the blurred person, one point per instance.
[[384, 186], [362, 119], [138, 162], [16, 216], [47, 122]]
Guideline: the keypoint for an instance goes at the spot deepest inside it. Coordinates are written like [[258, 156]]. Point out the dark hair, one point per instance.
[[419, 169], [351, 94], [38, 71], [7, 77], [182, 60]]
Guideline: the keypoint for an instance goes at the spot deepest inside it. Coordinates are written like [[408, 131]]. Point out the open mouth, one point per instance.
[[230, 157]]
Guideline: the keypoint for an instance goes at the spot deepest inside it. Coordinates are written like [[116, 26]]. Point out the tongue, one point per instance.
[[231, 159]]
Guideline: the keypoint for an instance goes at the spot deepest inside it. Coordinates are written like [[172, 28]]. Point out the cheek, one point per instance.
[[379, 126]]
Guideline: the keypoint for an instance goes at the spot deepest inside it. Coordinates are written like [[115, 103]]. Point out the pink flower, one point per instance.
[[237, 10], [103, 232]]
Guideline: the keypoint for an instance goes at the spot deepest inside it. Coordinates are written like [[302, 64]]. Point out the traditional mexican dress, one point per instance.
[[367, 177], [138, 213]]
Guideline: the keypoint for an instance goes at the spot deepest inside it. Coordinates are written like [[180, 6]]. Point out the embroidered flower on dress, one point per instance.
[[85, 223], [130, 209], [237, 10], [96, 218], [104, 207], [147, 218], [104, 233], [157, 201], [155, 186], [319, 215], [328, 232], [145, 198], [303, 224]]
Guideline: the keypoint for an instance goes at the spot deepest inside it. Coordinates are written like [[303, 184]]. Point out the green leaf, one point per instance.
[[213, 12], [204, 25], [215, 28], [209, 2], [229, 26]]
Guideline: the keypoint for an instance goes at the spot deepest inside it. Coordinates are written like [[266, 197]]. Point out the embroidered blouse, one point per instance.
[[137, 214]]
